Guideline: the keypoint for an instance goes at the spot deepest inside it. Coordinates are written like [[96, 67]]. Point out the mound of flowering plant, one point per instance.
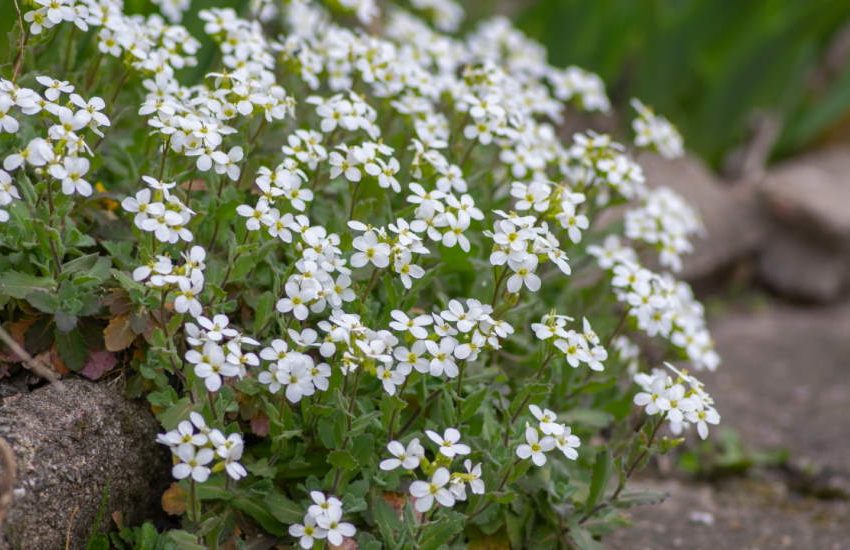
[[373, 296]]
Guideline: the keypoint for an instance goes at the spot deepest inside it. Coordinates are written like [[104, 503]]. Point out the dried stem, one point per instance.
[[7, 481], [34, 365]]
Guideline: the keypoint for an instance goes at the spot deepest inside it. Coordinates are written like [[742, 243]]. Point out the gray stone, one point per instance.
[[733, 217], [785, 380], [76, 449], [800, 267], [812, 195]]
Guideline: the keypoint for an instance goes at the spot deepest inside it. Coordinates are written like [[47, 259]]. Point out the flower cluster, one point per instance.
[[555, 436], [577, 347], [323, 520], [681, 399], [371, 200], [159, 211], [659, 304], [665, 221], [293, 370], [443, 486], [195, 446], [216, 351], [655, 132], [62, 153]]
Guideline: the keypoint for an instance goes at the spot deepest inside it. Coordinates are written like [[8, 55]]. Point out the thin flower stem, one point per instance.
[[525, 401], [66, 65], [629, 471], [193, 501], [353, 200], [352, 401], [501, 486], [22, 46], [51, 211], [394, 414], [433, 395], [497, 286]]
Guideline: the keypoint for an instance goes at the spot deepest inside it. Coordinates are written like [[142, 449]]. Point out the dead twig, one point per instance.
[[34, 365], [7, 481], [70, 527]]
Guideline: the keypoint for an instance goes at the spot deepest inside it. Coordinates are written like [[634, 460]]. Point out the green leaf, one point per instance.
[[583, 538], [440, 532], [260, 514], [284, 510], [263, 310], [46, 302], [472, 402], [590, 418], [342, 459], [599, 478], [211, 491], [363, 421], [331, 429], [530, 393], [386, 519], [147, 537], [19, 285], [362, 448], [72, 349], [183, 540], [175, 413]]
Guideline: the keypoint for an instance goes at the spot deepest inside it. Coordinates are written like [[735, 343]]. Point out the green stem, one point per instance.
[[22, 46]]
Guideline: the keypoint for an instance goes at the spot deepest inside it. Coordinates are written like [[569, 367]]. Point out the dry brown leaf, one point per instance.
[[118, 334], [18, 331], [174, 500], [51, 357]]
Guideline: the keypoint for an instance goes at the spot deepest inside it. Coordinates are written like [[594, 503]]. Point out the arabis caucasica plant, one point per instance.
[[374, 295]]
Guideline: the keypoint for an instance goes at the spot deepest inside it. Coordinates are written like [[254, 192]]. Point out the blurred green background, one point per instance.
[[712, 66]]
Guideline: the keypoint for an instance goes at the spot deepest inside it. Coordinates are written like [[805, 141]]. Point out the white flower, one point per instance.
[[442, 360], [547, 419], [534, 447], [425, 492], [307, 533], [523, 275], [183, 436], [297, 299], [408, 458], [335, 529], [567, 443], [448, 442], [370, 250], [71, 173], [216, 328], [390, 378], [413, 325], [212, 365], [193, 463], [323, 505]]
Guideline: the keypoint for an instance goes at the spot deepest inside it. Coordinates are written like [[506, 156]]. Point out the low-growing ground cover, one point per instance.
[[368, 291]]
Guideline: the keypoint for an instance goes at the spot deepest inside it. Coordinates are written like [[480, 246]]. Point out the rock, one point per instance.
[[812, 195], [798, 267], [76, 449], [733, 217], [784, 380], [808, 199]]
